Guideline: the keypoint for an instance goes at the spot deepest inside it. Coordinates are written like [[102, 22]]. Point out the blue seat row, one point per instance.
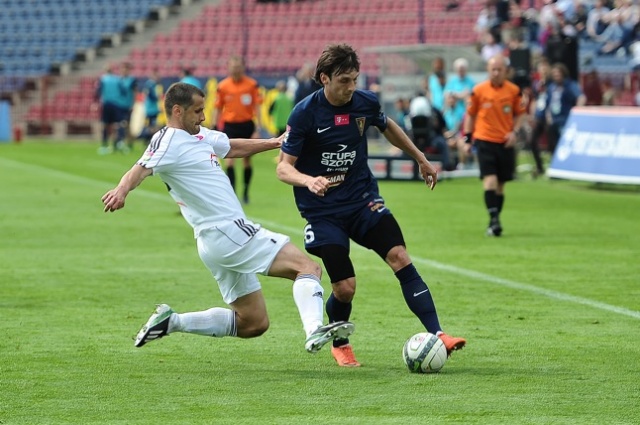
[[34, 34]]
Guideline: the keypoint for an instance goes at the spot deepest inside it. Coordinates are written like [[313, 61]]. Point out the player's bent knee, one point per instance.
[[344, 290], [254, 328], [398, 257]]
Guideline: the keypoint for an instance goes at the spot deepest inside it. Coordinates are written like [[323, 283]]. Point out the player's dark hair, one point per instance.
[[180, 94], [336, 59]]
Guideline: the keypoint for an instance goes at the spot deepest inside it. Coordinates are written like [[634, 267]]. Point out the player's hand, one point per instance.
[[468, 147], [113, 200], [278, 140], [429, 174], [510, 140], [318, 185]]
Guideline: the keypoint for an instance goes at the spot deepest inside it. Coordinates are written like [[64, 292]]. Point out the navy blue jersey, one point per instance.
[[331, 141]]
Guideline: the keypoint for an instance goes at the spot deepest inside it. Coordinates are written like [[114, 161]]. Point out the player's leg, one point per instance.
[[534, 144], [109, 117], [247, 130], [292, 263], [505, 172], [122, 130], [248, 174], [231, 172], [488, 160], [247, 317], [386, 239], [339, 304], [327, 240]]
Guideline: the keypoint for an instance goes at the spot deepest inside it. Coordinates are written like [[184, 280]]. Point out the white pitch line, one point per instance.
[[494, 279], [293, 231]]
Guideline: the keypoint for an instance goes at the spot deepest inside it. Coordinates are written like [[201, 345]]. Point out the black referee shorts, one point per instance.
[[495, 159], [239, 130]]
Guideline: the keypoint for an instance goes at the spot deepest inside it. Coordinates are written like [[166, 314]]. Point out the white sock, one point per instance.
[[216, 322], [307, 293]]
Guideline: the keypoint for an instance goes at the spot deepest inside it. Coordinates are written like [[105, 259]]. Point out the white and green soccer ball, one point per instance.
[[424, 353]]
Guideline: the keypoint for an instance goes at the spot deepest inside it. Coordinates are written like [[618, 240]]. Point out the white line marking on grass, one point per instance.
[[497, 280], [292, 231]]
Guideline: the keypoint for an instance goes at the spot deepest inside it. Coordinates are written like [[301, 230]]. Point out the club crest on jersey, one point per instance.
[[342, 119], [214, 161], [360, 122]]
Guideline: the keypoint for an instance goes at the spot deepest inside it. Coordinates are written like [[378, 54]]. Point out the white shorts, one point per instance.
[[234, 256]]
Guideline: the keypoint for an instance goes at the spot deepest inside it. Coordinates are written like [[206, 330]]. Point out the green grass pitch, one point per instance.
[[551, 310]]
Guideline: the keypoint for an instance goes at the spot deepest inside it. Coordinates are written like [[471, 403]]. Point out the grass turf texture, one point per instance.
[[550, 310]]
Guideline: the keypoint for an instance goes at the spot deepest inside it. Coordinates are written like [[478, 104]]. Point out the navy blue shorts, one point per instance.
[[338, 229], [111, 113]]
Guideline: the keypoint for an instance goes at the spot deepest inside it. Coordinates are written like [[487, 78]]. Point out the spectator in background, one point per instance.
[[486, 22], [609, 93], [595, 25], [108, 93], [622, 21], [537, 110], [306, 83], [428, 127], [592, 88], [128, 90], [152, 90], [238, 103], [402, 113], [453, 118], [579, 19], [187, 77], [491, 47], [563, 94], [459, 86], [281, 108], [437, 81]]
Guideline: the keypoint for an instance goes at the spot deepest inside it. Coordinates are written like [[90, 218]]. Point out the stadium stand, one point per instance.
[[37, 34], [275, 38]]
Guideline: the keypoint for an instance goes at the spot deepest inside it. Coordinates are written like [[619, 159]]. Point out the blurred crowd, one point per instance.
[[610, 24]]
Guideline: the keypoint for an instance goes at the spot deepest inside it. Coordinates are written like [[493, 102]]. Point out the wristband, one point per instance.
[[468, 138]]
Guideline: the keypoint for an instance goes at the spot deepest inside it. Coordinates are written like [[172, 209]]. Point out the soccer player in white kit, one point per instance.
[[186, 156]]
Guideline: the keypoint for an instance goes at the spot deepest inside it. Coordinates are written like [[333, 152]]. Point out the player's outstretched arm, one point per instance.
[[114, 199], [399, 139], [241, 148]]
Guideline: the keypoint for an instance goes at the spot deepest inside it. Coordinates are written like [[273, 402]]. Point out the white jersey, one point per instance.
[[189, 164]]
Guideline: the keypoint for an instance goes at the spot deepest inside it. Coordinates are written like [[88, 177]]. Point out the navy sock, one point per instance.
[[492, 203], [418, 298], [338, 311]]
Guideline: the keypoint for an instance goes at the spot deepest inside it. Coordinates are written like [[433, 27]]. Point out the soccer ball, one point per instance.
[[424, 353]]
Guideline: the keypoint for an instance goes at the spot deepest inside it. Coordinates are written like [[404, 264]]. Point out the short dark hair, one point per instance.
[[336, 59], [180, 94]]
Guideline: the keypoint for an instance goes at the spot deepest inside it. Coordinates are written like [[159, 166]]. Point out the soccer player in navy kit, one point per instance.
[[324, 156]]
